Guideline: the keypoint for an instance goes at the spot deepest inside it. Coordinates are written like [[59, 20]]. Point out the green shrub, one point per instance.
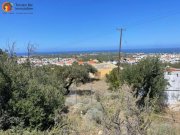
[[146, 77]]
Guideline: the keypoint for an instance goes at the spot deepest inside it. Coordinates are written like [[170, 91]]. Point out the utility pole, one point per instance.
[[120, 46]]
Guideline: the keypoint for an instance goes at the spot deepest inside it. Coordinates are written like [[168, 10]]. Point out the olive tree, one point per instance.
[[146, 77], [74, 74]]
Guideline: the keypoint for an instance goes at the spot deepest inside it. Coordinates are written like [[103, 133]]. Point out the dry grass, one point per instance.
[[165, 123]]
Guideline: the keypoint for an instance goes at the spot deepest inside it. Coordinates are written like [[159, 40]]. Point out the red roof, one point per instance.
[[172, 69], [80, 62], [91, 62]]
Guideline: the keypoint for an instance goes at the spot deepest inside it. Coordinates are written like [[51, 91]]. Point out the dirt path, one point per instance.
[[85, 92], [99, 85]]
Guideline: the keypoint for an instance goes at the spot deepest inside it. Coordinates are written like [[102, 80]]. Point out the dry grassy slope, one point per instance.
[[169, 121]]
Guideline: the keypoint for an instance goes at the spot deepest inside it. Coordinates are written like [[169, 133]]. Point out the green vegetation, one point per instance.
[[175, 65], [27, 98], [73, 74], [147, 78], [33, 97], [104, 56], [100, 56]]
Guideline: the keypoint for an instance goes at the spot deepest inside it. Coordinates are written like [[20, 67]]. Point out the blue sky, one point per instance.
[[76, 25]]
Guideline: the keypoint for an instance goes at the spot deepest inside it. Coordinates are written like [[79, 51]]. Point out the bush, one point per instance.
[[147, 77], [30, 97]]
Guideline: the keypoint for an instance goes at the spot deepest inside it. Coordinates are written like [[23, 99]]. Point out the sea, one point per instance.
[[146, 51]]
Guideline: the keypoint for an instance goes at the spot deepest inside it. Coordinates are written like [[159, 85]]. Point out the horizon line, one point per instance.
[[111, 50]]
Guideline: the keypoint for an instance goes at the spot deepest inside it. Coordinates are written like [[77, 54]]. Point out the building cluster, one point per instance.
[[56, 61], [103, 68], [135, 58], [165, 58], [170, 58], [47, 61]]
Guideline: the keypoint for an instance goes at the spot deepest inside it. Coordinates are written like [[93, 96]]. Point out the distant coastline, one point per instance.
[[152, 50]]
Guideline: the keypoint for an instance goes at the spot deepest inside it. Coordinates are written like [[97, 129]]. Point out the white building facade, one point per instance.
[[173, 89]]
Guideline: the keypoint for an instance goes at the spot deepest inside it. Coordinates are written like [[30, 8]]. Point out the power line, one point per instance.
[[171, 90]]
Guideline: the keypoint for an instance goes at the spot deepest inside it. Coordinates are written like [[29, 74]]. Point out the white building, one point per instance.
[[173, 90]]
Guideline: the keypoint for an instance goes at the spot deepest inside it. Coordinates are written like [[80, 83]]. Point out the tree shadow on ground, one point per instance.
[[92, 80], [81, 92]]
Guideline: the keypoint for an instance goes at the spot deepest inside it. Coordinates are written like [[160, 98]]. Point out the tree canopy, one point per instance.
[[146, 77], [73, 74], [26, 100]]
